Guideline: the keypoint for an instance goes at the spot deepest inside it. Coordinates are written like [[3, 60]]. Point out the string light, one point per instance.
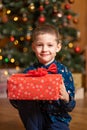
[[31, 7], [8, 11], [70, 45], [0, 50], [6, 60], [1, 57], [12, 60], [17, 68], [22, 38], [16, 42], [15, 18], [6, 72]]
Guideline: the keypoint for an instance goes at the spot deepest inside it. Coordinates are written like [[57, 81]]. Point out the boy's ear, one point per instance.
[[33, 47], [59, 46]]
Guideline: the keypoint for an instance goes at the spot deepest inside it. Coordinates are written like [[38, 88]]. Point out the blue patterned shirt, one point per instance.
[[58, 109]]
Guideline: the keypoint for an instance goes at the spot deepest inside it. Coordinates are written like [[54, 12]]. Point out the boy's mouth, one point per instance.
[[44, 54]]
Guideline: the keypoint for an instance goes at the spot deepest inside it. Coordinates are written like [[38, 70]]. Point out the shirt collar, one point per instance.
[[47, 65]]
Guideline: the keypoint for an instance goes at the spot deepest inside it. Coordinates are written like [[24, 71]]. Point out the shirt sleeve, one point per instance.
[[69, 84]]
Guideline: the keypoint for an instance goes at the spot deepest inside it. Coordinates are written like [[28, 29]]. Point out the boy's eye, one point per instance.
[[50, 45], [39, 44]]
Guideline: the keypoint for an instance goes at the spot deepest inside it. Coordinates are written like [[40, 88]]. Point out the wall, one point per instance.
[[80, 7]]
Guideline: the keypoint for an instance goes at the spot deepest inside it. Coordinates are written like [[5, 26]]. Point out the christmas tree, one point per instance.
[[20, 17]]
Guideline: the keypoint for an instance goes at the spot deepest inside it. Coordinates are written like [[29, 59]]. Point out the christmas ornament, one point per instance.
[[21, 38], [75, 20], [65, 24], [54, 20], [54, 1], [28, 37], [71, 1], [42, 18], [47, 2], [69, 17], [13, 32], [12, 38], [5, 31], [25, 49], [55, 10], [24, 18], [59, 14], [1, 36], [77, 49], [22, 10], [4, 18], [42, 1], [78, 34], [41, 8], [1, 6], [67, 6]]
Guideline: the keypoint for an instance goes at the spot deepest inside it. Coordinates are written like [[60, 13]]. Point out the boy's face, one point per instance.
[[46, 47]]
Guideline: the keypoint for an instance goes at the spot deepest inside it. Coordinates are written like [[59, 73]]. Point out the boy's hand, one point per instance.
[[63, 93]]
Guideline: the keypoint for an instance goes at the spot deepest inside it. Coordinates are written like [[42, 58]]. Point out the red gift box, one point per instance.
[[27, 87]]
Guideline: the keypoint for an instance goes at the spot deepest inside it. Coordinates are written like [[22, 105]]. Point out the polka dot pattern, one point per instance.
[[24, 87]]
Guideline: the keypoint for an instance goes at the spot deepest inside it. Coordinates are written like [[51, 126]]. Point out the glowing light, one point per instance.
[[8, 11], [17, 68], [12, 60], [6, 60], [22, 38], [15, 18], [1, 57], [32, 7], [0, 50], [6, 72], [16, 42], [70, 45]]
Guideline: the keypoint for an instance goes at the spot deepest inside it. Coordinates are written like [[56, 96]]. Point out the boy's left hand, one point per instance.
[[63, 94]]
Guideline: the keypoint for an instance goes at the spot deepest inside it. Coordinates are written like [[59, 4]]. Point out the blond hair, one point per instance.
[[43, 29]]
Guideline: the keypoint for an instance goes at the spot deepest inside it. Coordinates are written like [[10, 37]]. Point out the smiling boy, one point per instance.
[[48, 115]]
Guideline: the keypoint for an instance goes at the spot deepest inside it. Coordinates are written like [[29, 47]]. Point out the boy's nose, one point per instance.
[[44, 48]]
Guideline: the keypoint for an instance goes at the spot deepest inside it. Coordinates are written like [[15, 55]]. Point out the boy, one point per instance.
[[48, 115]]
